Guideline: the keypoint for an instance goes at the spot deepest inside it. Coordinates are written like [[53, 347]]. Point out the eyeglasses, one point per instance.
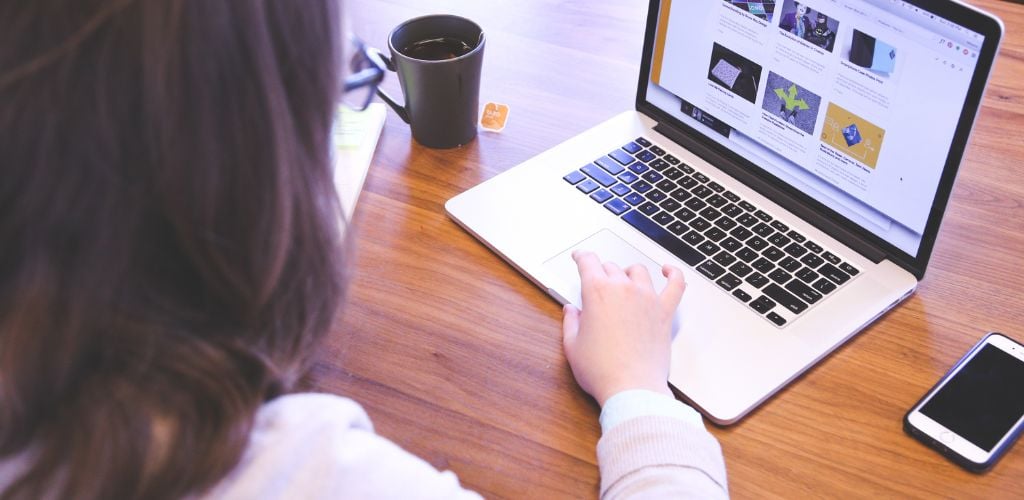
[[364, 73]]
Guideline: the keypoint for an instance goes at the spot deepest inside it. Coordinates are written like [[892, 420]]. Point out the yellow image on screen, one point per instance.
[[853, 135]]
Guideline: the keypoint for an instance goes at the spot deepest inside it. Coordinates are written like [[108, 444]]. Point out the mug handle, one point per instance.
[[399, 108]]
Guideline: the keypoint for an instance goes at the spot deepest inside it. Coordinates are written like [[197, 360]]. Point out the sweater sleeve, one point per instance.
[[660, 457]]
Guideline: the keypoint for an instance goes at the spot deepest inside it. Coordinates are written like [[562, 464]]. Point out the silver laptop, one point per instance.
[[794, 160]]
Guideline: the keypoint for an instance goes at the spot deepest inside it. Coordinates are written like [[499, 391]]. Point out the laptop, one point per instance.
[[794, 160]]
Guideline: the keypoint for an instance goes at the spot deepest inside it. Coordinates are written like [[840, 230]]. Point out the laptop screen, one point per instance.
[[856, 104]]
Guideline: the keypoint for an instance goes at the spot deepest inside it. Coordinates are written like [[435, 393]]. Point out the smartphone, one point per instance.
[[976, 412]]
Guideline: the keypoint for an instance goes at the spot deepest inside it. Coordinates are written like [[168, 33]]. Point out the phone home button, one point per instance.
[[947, 437]]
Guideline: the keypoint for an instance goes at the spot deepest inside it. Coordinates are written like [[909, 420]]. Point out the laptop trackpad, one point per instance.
[[609, 248]]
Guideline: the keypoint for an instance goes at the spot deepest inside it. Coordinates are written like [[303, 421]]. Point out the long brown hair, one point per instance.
[[169, 247]]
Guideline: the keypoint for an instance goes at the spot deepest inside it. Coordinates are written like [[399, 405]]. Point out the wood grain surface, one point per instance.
[[458, 358]]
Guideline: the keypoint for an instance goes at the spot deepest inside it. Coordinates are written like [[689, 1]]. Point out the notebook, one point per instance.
[[799, 185]]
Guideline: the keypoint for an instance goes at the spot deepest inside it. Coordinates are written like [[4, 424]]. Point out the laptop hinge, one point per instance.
[[774, 193]]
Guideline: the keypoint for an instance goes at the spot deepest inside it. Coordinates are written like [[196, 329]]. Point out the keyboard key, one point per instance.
[[613, 166], [741, 233], [617, 206], [574, 177], [601, 195], [747, 220], [678, 227], [778, 239], [728, 282], [680, 195], [848, 269], [790, 264], [656, 196], [621, 189], [716, 187], [645, 156], [700, 224], [715, 234], [812, 261], [686, 168], [708, 248], [662, 237], [824, 286], [670, 205], [831, 257], [740, 269], [664, 218], [673, 173], [710, 213], [779, 276], [711, 270], [659, 164], [701, 191], [740, 294], [831, 272], [685, 214], [807, 276], [731, 244], [643, 142], [695, 203], [700, 177], [797, 237], [775, 318], [764, 265], [779, 226], [693, 237], [634, 199], [672, 159], [785, 299], [746, 205], [732, 210], [731, 196], [763, 230], [716, 201], [632, 147], [725, 259], [652, 176], [666, 186], [796, 250], [622, 157], [814, 247], [773, 254], [757, 279], [757, 243], [648, 208], [687, 182], [762, 304], [725, 223], [587, 186], [761, 214], [628, 177], [656, 150], [746, 255], [638, 168], [642, 187], [804, 292], [599, 175]]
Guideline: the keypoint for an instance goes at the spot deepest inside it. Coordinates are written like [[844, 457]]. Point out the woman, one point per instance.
[[171, 259]]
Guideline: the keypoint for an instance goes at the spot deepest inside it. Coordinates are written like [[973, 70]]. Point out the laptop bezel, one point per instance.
[[815, 212]]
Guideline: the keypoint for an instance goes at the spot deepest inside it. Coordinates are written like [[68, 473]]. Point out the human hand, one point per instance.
[[620, 340]]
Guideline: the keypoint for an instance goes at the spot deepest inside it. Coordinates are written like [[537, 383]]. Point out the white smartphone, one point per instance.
[[976, 412]]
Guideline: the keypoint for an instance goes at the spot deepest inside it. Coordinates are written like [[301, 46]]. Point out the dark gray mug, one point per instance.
[[441, 89]]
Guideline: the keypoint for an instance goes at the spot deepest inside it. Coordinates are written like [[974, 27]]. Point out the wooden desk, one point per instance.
[[458, 358]]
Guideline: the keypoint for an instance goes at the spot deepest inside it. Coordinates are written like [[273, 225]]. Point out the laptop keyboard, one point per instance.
[[757, 258]]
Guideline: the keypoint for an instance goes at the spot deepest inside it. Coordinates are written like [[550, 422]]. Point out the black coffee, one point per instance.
[[437, 49]]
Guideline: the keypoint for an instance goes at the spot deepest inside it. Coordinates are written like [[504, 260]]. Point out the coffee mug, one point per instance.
[[438, 60]]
